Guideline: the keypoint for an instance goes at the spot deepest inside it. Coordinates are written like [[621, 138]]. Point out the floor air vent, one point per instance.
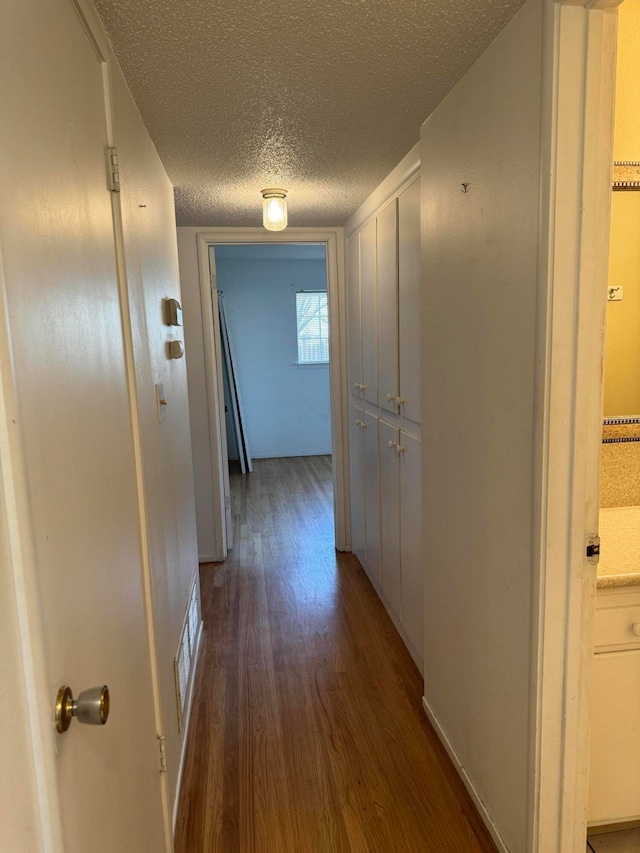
[[185, 655]]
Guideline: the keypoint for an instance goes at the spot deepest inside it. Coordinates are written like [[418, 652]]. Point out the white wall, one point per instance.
[[286, 406], [480, 252]]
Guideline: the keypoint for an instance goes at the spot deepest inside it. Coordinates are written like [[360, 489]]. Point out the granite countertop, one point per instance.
[[620, 545]]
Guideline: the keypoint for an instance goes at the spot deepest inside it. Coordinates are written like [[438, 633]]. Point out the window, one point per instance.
[[313, 327]]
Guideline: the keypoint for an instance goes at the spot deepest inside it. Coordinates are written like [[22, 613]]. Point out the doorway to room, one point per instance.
[[274, 324], [283, 308]]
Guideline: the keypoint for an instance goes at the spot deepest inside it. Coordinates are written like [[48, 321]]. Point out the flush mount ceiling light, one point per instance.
[[274, 209]]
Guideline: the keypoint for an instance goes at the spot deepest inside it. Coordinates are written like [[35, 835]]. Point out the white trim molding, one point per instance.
[[402, 174], [578, 97], [462, 773], [333, 239]]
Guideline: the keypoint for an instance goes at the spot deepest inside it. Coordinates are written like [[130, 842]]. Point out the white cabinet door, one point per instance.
[[387, 255], [356, 467], [409, 300], [390, 516], [411, 561], [354, 330], [614, 766], [372, 497], [368, 301]]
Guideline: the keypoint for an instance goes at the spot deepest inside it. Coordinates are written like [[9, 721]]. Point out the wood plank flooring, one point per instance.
[[307, 733]]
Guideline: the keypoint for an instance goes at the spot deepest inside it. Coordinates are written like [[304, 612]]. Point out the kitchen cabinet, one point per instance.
[[614, 766]]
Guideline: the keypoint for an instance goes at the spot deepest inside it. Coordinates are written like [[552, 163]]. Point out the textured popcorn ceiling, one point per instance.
[[321, 97]]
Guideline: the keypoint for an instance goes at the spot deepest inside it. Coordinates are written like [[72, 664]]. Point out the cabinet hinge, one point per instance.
[[162, 749], [113, 170], [593, 549]]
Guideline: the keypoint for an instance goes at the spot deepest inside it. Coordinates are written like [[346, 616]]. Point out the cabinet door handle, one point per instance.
[[636, 628], [391, 398], [400, 448], [392, 444]]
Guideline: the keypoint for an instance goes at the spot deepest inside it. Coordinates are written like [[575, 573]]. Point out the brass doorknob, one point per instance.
[[91, 707]]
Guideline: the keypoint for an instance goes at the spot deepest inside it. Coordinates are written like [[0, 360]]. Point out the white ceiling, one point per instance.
[[321, 97]]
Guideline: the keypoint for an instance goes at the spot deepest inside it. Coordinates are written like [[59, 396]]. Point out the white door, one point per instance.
[[409, 300], [387, 258], [74, 424], [412, 560], [354, 329], [614, 769], [368, 309], [356, 462], [390, 516], [371, 498]]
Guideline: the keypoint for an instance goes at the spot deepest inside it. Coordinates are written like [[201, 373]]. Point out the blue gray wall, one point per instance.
[[286, 406]]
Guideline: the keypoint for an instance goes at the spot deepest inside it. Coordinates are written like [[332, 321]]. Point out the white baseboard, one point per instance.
[[186, 720], [415, 655], [484, 814], [209, 558]]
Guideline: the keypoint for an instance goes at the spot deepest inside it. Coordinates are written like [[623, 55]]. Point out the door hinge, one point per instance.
[[162, 749], [593, 549], [113, 170]]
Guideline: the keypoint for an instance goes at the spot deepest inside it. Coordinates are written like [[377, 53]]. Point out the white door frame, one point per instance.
[[333, 239], [577, 155]]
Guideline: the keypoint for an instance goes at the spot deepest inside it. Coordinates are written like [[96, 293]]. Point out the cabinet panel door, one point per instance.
[[354, 331], [411, 560], [356, 466], [371, 498], [390, 517], [368, 301], [409, 300], [614, 768], [387, 254]]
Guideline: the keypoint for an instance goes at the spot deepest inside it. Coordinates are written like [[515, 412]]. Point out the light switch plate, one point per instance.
[[615, 293], [161, 401]]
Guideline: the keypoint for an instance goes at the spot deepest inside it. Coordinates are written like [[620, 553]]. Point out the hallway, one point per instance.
[[307, 733]]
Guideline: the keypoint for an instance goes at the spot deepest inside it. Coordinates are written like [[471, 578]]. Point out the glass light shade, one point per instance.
[[274, 210]]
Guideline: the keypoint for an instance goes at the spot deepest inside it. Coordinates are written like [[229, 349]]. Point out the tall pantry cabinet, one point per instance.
[[383, 299]]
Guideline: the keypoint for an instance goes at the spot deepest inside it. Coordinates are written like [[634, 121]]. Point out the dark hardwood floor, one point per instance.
[[307, 733]]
